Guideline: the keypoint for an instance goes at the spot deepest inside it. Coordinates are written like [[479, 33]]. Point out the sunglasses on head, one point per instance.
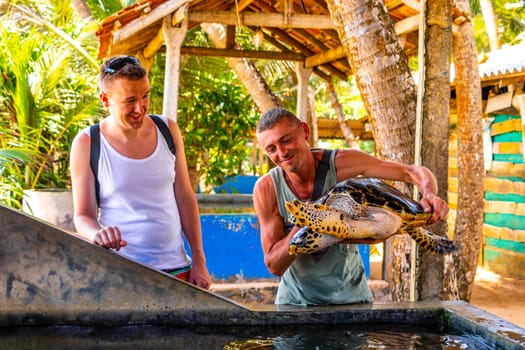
[[117, 63]]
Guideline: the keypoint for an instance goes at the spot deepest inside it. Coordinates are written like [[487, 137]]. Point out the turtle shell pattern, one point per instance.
[[360, 210]]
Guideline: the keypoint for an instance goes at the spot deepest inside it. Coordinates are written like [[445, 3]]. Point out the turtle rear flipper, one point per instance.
[[430, 241]]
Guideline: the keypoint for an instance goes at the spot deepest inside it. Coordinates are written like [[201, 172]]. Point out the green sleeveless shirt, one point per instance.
[[337, 277]]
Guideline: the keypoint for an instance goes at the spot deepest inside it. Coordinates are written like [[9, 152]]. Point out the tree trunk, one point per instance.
[[345, 128], [469, 216], [431, 282], [389, 94], [491, 24], [248, 74]]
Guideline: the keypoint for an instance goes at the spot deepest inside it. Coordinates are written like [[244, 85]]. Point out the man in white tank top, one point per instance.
[[304, 279], [145, 199]]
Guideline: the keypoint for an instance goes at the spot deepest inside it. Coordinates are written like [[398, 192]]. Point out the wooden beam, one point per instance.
[[157, 14], [158, 40], [258, 19], [230, 37], [330, 128], [407, 25], [287, 10], [243, 4], [507, 169], [503, 233], [505, 127], [506, 147], [267, 55], [154, 45], [324, 57], [412, 4], [504, 207], [322, 74], [284, 37], [503, 186], [178, 16], [393, 4], [311, 39]]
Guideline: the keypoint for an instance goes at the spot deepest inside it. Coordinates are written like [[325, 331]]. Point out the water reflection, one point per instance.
[[315, 337], [385, 339]]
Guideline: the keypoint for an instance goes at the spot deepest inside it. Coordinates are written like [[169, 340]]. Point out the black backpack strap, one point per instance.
[[94, 133], [94, 155], [164, 130], [322, 170]]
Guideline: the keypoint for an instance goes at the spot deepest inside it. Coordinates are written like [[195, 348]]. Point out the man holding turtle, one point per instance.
[[335, 275]]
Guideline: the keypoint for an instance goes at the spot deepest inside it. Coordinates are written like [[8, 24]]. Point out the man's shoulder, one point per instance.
[[264, 193], [263, 181]]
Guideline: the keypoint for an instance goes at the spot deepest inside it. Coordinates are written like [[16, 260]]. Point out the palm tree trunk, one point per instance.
[[389, 94], [469, 216], [491, 24]]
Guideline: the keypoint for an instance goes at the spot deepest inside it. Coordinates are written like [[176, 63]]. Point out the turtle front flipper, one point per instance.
[[430, 241], [306, 241], [319, 218]]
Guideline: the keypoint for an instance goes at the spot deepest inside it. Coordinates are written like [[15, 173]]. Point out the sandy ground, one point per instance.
[[501, 296]]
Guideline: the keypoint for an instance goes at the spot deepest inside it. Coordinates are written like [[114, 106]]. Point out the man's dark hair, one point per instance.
[[275, 115], [123, 66]]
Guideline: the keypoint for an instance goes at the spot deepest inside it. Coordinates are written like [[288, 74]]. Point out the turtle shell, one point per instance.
[[360, 210], [374, 192]]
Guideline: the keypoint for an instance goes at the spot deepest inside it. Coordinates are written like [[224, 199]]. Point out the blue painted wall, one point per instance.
[[237, 184], [232, 243]]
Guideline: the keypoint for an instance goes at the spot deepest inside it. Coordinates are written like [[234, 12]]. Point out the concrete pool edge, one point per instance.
[[52, 277], [458, 315]]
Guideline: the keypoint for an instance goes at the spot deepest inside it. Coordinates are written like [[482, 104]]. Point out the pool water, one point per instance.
[[315, 337]]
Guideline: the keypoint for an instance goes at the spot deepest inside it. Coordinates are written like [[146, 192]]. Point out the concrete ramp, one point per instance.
[[50, 276]]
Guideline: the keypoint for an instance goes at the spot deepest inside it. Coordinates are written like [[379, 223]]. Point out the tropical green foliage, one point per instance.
[[217, 118], [216, 115], [511, 23], [46, 97]]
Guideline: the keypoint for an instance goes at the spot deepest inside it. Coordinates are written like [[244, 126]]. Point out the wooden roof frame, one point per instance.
[[280, 29], [299, 30]]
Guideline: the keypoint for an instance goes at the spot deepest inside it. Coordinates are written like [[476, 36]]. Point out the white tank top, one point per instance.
[[137, 195]]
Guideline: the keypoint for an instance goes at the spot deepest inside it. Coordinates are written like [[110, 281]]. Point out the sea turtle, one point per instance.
[[360, 210]]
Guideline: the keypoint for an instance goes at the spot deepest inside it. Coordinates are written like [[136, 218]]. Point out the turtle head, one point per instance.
[[298, 243]]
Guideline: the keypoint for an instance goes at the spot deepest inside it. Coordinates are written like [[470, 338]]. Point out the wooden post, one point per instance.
[[303, 75], [174, 36]]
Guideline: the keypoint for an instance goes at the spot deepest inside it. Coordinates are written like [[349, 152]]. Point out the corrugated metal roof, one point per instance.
[[509, 60], [504, 63]]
